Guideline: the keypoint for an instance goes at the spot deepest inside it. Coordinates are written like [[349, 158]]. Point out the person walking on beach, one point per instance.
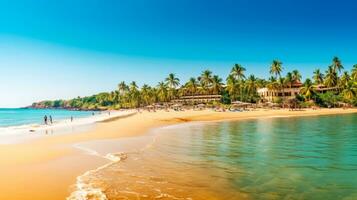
[[51, 119], [45, 119], [71, 118]]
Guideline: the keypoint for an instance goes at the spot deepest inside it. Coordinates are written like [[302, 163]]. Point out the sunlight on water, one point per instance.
[[281, 158]]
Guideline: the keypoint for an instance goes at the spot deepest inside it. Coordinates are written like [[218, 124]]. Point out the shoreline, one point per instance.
[[55, 155], [24, 132]]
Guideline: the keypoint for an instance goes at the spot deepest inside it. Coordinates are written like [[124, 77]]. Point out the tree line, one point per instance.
[[236, 87]]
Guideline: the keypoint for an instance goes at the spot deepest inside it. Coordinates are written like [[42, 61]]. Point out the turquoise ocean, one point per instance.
[[20, 116], [269, 158]]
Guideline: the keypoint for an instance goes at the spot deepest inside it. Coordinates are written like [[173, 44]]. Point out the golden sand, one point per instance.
[[47, 167]]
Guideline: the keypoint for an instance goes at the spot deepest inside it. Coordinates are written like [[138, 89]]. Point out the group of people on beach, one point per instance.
[[48, 120]]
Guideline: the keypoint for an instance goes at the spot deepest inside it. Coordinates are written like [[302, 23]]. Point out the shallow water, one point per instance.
[[19, 116], [271, 158]]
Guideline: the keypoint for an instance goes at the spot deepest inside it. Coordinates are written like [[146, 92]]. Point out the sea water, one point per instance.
[[269, 158], [17, 116]]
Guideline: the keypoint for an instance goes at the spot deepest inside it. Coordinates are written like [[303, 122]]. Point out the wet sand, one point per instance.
[[47, 167]]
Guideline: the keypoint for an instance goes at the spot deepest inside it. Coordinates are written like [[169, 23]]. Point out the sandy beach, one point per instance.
[[47, 167]]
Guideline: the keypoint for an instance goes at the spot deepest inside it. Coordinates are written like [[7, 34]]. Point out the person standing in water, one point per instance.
[[45, 119], [51, 119], [71, 118]]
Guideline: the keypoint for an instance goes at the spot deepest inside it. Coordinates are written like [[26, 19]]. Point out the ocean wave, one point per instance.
[[11, 129], [64, 123], [84, 189], [116, 157], [88, 188], [87, 193]]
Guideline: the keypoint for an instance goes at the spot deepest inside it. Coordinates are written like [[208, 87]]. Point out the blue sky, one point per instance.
[[62, 49]]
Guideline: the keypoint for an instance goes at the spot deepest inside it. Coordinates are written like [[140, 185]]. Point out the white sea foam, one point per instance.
[[116, 157], [67, 122], [88, 120], [87, 150], [85, 189], [14, 134]]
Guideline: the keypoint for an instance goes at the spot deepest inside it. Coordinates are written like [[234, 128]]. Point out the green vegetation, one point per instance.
[[237, 87]]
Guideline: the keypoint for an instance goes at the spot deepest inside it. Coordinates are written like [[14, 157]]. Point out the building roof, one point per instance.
[[296, 84]]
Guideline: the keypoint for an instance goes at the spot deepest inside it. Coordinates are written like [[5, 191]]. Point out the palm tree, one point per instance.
[[172, 81], [276, 68], [331, 77], [134, 94], [289, 79], [336, 64], [145, 94], [103, 99], [296, 76], [123, 93], [206, 80], [133, 86], [308, 89], [232, 87], [162, 91], [350, 90], [262, 82], [281, 85], [217, 84], [252, 85], [191, 86], [238, 72], [318, 77], [354, 72], [153, 95], [115, 97], [345, 78], [122, 87], [272, 84]]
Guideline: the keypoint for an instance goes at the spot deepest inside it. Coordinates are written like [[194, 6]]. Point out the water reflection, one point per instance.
[[280, 158], [313, 157]]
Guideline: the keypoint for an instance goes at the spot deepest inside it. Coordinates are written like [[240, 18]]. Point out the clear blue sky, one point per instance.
[[62, 49]]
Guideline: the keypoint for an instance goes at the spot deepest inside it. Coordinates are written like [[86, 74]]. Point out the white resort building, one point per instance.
[[272, 95]]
